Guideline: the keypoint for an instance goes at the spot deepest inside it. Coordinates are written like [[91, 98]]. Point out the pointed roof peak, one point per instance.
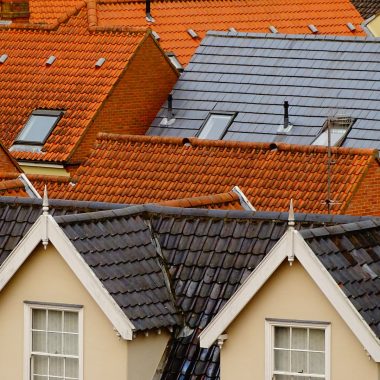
[[45, 202], [291, 219]]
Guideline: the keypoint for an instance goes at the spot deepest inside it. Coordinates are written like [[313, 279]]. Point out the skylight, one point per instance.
[[339, 128], [174, 61], [37, 129], [216, 126]]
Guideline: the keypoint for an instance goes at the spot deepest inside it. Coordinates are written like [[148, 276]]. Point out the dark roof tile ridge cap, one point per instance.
[[361, 225], [60, 203], [47, 27], [51, 178], [319, 37]]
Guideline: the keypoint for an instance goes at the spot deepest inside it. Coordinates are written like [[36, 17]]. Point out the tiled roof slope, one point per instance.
[[367, 8], [174, 18], [120, 251], [141, 169], [17, 215], [49, 12], [71, 83], [253, 74], [351, 254]]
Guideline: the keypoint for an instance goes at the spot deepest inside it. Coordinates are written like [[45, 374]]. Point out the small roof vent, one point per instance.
[[155, 35], [50, 60], [5, 22], [233, 30], [3, 58], [313, 28], [100, 62], [273, 29], [148, 15], [351, 26], [192, 33]]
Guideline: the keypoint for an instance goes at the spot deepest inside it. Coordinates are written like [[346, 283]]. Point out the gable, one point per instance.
[[290, 294], [46, 277]]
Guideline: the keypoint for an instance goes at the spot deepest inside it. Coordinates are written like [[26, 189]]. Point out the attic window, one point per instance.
[[216, 126], [339, 128], [37, 129], [174, 61]]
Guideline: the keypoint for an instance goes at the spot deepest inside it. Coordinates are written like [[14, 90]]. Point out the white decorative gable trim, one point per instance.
[[292, 240], [46, 226]]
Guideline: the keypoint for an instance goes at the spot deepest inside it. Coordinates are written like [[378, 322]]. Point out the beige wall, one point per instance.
[[290, 294], [374, 26], [44, 170], [45, 277]]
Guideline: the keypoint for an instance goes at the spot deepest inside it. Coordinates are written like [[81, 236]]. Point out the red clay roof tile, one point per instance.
[[71, 83], [152, 169], [174, 18]]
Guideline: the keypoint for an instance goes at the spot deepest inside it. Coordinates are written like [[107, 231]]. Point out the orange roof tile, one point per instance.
[[224, 201], [71, 83], [174, 18], [142, 169]]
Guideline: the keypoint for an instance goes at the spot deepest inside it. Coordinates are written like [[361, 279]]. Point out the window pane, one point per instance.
[[54, 320], [37, 128], [282, 337], [299, 361], [40, 365], [70, 344], [215, 127], [317, 363], [35, 377], [39, 319], [299, 338], [281, 360], [39, 341], [54, 343], [56, 366], [70, 322], [72, 368], [317, 340]]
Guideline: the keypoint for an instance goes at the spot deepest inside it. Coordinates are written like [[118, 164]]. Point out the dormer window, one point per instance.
[[216, 126], [339, 127], [37, 130]]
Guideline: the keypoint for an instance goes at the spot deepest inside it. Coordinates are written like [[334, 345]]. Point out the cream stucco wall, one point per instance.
[[290, 294], [45, 277], [374, 26], [43, 169]]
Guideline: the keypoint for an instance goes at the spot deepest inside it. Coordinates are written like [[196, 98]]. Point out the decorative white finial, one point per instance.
[[291, 219], [45, 203]]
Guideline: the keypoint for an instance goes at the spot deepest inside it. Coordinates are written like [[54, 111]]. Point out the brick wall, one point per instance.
[[366, 200], [136, 98]]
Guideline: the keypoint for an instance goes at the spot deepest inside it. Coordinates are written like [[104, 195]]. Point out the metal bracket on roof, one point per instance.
[[29, 188], [221, 339]]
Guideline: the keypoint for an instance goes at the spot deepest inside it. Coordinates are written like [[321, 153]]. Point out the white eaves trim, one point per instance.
[[46, 223], [292, 240]]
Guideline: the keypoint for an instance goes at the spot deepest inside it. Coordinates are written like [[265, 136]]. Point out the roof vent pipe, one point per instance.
[[148, 16], [286, 114], [170, 105]]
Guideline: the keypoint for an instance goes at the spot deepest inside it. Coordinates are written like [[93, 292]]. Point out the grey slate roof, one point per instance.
[[351, 254], [367, 8], [253, 74]]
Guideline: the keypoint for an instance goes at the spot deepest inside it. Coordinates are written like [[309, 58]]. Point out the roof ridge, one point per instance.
[[193, 141], [324, 37], [48, 177]]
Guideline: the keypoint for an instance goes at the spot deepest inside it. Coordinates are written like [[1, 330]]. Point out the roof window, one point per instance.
[[216, 126], [37, 130], [339, 127], [174, 60]]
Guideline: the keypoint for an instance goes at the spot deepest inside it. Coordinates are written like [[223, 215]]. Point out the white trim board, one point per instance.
[[292, 240], [76, 263]]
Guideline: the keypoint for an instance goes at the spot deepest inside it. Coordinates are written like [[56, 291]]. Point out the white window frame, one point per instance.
[[270, 324], [28, 307], [206, 127]]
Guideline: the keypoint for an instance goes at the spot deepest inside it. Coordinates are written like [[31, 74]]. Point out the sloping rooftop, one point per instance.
[[251, 75], [173, 19], [367, 8], [143, 169], [351, 254], [71, 84]]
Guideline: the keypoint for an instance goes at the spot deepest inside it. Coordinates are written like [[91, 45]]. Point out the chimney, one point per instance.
[[14, 10], [148, 16], [286, 114]]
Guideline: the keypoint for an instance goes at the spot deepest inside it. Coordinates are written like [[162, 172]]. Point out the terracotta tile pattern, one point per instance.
[[174, 18], [71, 83], [141, 169], [224, 201], [11, 185]]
